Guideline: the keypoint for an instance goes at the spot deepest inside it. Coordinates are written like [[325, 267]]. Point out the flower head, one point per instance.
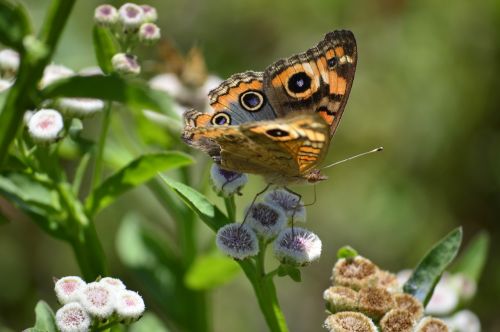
[[150, 14], [125, 64], [349, 321], [9, 62], [45, 125], [237, 240], [339, 298], [131, 16], [72, 318], [375, 301], [397, 320], [410, 304], [297, 246], [149, 33], [114, 283], [105, 15], [288, 202], [266, 220], [354, 273], [80, 107], [68, 289], [53, 73], [98, 299], [225, 182], [129, 305], [431, 324]]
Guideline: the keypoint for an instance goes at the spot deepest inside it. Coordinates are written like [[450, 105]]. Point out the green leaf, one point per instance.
[[132, 175], [134, 94], [14, 24], [291, 271], [428, 272], [208, 212], [44, 318], [471, 262], [105, 46], [3, 218], [210, 271], [347, 252], [148, 322]]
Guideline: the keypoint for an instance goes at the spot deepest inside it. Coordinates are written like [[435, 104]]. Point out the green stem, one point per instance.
[[22, 95], [98, 166], [89, 253], [230, 207], [80, 172]]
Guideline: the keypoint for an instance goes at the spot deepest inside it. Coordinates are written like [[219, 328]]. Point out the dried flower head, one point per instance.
[[266, 220], [375, 301], [388, 281], [105, 15], [289, 202], [149, 33], [410, 304], [129, 305], [114, 283], [339, 298], [237, 240], [131, 16], [98, 299], [225, 182], [45, 125], [9, 62], [349, 321], [397, 320], [150, 14], [431, 324], [297, 246], [80, 107], [72, 318], [53, 73], [354, 273], [125, 64], [67, 289]]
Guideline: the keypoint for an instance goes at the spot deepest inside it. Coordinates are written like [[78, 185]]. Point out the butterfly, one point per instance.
[[279, 123]]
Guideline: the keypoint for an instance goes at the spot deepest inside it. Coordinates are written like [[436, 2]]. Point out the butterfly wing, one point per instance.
[[318, 80]]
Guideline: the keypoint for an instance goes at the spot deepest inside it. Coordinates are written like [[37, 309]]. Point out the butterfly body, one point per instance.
[[279, 123]]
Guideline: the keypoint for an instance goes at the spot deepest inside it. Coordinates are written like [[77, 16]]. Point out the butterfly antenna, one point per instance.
[[354, 157]]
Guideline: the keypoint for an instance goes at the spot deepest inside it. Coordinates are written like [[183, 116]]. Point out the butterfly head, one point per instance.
[[315, 176]]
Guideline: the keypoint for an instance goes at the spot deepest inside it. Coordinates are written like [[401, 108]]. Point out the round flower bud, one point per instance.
[[53, 73], [129, 305], [466, 287], [237, 240], [150, 14], [125, 64], [45, 125], [131, 16], [68, 289], [297, 246], [410, 304], [444, 299], [289, 202], [5, 85], [80, 107], [397, 320], [388, 281], [464, 321], [149, 33], [105, 15], [375, 301], [114, 283], [72, 318], [9, 62], [340, 298], [227, 183], [355, 273], [431, 324], [98, 299], [349, 321], [266, 220]]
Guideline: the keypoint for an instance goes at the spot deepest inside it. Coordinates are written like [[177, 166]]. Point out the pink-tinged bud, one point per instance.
[[72, 318], [53, 73], [9, 62], [288, 202], [68, 289], [45, 125], [126, 64], [114, 283], [297, 246], [227, 183], [106, 15], [444, 299], [98, 299], [129, 305], [237, 241], [150, 14], [80, 107], [131, 16], [464, 321], [266, 220], [149, 33]]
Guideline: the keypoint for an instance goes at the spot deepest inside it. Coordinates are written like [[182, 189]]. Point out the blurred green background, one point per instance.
[[427, 88]]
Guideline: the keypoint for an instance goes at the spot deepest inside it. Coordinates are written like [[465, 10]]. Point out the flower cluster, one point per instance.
[[363, 297], [131, 24], [266, 222], [87, 305], [9, 65]]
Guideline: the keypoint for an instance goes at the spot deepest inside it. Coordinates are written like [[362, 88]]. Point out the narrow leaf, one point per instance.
[[291, 271], [208, 212], [427, 273], [44, 318], [105, 46], [14, 24], [210, 271], [132, 175], [148, 322], [471, 262]]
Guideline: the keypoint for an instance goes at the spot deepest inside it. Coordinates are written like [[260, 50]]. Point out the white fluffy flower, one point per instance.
[[131, 16], [150, 14], [9, 61], [288, 202], [125, 64], [98, 299], [53, 73], [105, 15], [265, 219], [80, 107], [226, 182], [115, 283], [72, 318], [149, 33], [237, 240], [297, 246], [67, 289], [45, 125], [444, 299], [129, 305]]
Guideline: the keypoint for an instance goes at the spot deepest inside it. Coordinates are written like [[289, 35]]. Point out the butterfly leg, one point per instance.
[[299, 198], [253, 202]]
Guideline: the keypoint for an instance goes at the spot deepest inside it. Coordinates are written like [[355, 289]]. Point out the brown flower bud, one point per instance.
[[397, 320], [340, 298], [354, 273], [409, 303], [431, 324], [349, 321], [375, 301]]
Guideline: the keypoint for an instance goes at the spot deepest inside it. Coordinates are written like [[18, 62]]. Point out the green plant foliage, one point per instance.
[[14, 24], [346, 252], [45, 321], [105, 46], [471, 262], [428, 272], [210, 271], [291, 271], [147, 323]]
